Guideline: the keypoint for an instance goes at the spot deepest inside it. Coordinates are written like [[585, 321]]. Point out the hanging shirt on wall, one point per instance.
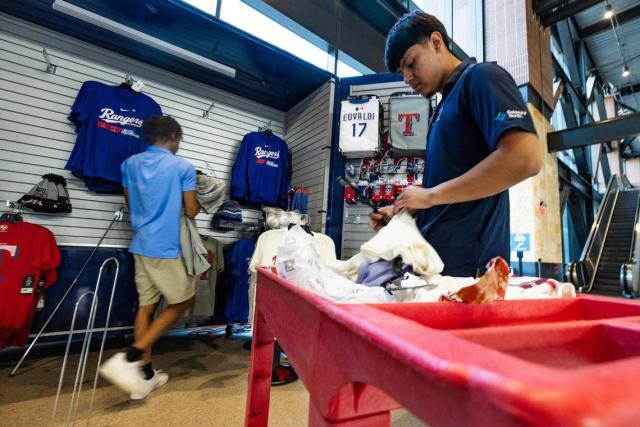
[[262, 170], [108, 122], [236, 279], [207, 281], [29, 257]]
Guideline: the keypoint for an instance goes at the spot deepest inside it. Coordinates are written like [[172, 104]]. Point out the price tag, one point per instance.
[[137, 86]]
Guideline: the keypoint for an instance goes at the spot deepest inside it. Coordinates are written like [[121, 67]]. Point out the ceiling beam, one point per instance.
[[595, 133], [605, 25], [552, 11], [630, 89]]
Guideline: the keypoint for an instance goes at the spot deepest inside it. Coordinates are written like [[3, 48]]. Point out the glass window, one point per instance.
[[343, 70], [464, 25], [240, 15], [349, 67], [310, 48], [208, 6], [463, 21], [441, 9]]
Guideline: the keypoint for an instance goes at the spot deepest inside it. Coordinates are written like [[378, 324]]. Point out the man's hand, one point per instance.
[[379, 219], [414, 198]]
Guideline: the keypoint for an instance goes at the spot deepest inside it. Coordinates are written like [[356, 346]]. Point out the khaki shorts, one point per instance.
[[167, 277]]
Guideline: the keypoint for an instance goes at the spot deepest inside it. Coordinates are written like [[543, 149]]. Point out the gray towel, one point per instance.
[[209, 192], [193, 251]]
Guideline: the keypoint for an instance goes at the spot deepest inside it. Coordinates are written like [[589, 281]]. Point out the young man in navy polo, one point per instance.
[[481, 141]]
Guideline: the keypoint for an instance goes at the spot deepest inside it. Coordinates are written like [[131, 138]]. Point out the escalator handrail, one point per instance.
[[596, 222], [633, 251], [627, 184], [613, 189]]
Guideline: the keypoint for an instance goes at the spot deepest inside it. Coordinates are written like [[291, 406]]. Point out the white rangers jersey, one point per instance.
[[408, 123], [360, 127]]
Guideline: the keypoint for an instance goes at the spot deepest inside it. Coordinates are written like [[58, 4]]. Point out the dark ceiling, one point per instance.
[[265, 73]]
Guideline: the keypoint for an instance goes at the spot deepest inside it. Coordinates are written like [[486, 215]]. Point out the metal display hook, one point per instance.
[[205, 114], [86, 344], [118, 216], [51, 68]]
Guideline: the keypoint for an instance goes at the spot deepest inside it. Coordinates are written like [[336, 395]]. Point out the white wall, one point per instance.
[[308, 134], [36, 138]]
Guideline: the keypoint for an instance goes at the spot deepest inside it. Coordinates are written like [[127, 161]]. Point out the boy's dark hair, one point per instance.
[[161, 128], [411, 28]]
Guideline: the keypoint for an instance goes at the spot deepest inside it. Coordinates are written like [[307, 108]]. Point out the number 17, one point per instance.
[[363, 125]]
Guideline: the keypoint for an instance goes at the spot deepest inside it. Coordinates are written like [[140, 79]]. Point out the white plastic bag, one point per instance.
[[298, 262]]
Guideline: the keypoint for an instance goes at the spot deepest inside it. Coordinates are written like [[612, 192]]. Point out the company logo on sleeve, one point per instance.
[[510, 114]]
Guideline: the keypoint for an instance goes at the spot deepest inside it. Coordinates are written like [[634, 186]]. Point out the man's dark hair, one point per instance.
[[412, 28], [161, 128]]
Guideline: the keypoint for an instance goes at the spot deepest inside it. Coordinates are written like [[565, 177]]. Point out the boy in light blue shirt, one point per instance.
[[157, 186]]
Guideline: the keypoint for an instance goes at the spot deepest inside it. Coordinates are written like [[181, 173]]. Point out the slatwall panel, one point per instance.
[[36, 138], [308, 134], [355, 229]]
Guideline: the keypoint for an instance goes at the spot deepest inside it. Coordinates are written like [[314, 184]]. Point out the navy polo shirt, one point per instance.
[[480, 103]]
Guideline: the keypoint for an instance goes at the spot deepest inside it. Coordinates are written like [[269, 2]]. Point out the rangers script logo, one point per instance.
[[109, 116], [261, 153]]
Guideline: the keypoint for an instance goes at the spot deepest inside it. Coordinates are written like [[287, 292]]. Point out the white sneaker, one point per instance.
[[124, 374], [158, 380]]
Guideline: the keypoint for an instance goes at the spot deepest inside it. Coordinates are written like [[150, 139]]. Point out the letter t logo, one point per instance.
[[408, 122]]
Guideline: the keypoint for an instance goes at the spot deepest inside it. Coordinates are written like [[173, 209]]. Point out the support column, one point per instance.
[[526, 55]]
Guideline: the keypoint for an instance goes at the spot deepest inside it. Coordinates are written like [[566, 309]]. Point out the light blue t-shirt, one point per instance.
[[155, 180]]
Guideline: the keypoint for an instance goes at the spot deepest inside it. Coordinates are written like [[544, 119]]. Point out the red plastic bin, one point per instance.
[[558, 362]]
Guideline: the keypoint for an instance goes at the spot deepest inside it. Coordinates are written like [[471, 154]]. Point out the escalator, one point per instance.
[[607, 265]]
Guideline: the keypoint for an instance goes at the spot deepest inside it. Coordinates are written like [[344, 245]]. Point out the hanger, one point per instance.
[[15, 215], [128, 84], [304, 227], [266, 128]]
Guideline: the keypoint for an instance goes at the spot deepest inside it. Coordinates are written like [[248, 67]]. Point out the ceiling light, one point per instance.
[[625, 71], [608, 11], [115, 27]]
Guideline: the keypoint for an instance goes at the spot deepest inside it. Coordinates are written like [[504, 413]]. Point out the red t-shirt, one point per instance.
[[29, 257]]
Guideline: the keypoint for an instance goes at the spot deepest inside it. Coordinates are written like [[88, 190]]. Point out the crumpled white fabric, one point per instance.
[[298, 261], [400, 238], [536, 288]]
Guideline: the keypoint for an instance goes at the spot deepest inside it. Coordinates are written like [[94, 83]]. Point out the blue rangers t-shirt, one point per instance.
[[261, 172], [108, 122], [480, 103]]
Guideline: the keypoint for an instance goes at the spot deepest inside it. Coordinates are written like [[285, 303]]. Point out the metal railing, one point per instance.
[[583, 272], [630, 271]]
